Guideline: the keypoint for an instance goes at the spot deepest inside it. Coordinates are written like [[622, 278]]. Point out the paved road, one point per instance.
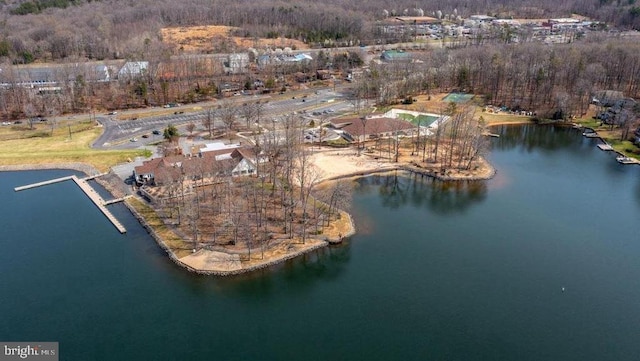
[[118, 134]]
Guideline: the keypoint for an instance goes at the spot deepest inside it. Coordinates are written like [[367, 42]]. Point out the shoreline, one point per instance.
[[209, 262]]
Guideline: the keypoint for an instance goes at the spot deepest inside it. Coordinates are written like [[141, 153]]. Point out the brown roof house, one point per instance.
[[223, 162], [158, 170], [323, 74], [374, 127]]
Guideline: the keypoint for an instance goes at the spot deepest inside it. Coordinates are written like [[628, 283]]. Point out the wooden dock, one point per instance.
[[605, 147], [488, 134], [116, 200], [44, 183], [90, 192]]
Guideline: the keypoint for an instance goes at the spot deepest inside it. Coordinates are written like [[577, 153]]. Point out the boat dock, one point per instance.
[[605, 147], [90, 192], [116, 200], [488, 134], [44, 183], [626, 160]]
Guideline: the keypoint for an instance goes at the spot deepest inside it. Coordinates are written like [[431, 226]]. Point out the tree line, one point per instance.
[[552, 81], [38, 30]]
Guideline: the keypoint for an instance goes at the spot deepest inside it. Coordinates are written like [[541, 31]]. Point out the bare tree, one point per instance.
[[208, 122], [228, 116], [190, 128], [337, 196], [249, 112], [307, 177]]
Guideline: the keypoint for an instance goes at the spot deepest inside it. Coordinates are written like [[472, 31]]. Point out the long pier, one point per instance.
[[89, 191], [44, 183]]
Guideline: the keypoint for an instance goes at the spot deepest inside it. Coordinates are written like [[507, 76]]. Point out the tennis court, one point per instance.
[[423, 120], [458, 97]]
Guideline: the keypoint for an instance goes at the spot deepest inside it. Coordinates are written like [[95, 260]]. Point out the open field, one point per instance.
[[435, 103], [44, 146], [208, 38]]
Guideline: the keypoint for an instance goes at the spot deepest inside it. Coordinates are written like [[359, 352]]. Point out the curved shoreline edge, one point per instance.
[[491, 172], [300, 249]]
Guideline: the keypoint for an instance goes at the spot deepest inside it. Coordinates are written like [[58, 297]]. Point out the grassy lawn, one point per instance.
[[611, 136], [502, 118], [41, 145]]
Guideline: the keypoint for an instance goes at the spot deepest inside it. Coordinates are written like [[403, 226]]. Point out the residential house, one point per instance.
[[620, 112], [302, 77], [323, 74], [159, 171], [607, 98], [246, 162], [220, 162]]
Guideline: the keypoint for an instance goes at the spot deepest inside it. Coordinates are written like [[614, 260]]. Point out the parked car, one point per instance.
[[133, 140], [145, 136], [156, 132]]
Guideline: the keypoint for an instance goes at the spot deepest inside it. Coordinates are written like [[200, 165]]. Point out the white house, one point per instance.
[[133, 69]]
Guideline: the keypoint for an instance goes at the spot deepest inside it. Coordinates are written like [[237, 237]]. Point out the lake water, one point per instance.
[[438, 271]]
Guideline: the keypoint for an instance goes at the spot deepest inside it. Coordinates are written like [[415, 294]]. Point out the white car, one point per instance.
[[133, 140]]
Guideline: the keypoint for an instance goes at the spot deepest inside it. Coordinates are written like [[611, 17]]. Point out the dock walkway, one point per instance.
[[116, 200], [43, 183], [89, 191]]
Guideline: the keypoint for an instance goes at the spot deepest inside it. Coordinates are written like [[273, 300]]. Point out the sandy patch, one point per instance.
[[205, 260], [208, 38], [338, 163], [334, 164]]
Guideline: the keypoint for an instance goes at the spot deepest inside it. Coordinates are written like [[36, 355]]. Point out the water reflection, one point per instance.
[[393, 191], [532, 136], [442, 197], [300, 274]]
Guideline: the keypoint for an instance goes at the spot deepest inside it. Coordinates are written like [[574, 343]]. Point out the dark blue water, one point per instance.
[[438, 271]]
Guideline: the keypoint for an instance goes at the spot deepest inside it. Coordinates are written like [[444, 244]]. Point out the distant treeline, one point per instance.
[[37, 6], [37, 30]]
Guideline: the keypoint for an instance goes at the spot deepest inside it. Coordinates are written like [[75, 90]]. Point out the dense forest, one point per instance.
[[53, 30], [553, 81]]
